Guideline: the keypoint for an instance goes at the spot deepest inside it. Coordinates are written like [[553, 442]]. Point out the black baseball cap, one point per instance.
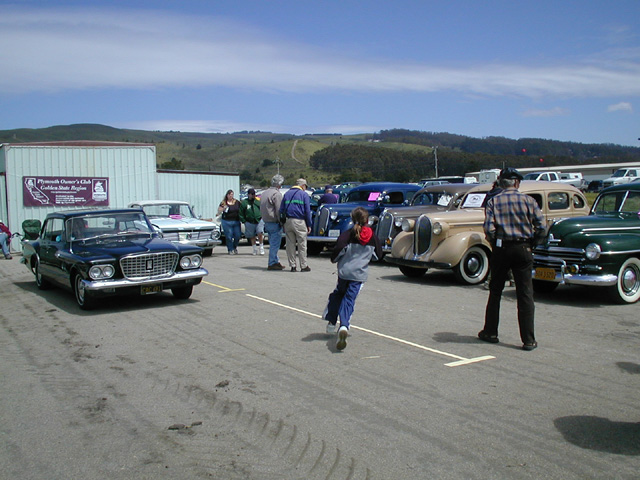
[[511, 173]]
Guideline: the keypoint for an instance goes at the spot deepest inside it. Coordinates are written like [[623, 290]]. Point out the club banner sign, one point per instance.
[[65, 191]]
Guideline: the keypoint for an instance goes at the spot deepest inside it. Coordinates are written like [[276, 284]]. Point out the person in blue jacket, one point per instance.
[[296, 206], [353, 252]]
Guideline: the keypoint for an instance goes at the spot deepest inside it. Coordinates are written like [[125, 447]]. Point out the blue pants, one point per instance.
[[274, 230], [342, 301], [232, 233], [4, 243]]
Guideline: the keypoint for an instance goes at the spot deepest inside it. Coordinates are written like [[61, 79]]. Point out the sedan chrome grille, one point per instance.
[[384, 227], [422, 236], [323, 220], [556, 256], [136, 267], [175, 236]]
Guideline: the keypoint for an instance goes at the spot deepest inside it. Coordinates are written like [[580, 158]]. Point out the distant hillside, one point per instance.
[[398, 154]]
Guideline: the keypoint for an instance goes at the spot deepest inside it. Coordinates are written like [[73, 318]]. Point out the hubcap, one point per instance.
[[473, 265], [629, 281], [80, 290]]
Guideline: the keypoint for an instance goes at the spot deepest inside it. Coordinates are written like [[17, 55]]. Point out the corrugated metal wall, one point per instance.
[[202, 190], [131, 171]]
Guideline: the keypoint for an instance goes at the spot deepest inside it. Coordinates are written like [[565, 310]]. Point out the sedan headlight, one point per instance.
[[190, 261], [334, 215], [438, 228], [100, 272], [398, 222], [593, 251], [407, 225]]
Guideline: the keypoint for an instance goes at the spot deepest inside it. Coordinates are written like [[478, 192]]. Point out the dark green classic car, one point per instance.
[[602, 249]]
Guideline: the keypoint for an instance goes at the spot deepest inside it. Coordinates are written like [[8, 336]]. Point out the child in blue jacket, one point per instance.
[[353, 252]]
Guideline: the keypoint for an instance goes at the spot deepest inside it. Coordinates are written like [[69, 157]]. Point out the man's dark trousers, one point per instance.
[[517, 257]]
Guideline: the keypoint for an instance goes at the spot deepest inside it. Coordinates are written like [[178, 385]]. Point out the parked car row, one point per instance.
[[97, 253]]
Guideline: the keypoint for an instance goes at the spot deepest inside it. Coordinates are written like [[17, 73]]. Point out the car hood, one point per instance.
[[614, 223], [416, 211], [459, 216], [183, 223], [344, 209], [117, 247]]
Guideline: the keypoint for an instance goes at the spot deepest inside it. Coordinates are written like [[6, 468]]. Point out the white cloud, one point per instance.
[[552, 112], [57, 50], [620, 107]]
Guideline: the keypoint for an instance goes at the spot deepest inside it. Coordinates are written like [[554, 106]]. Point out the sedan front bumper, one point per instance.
[[186, 277]]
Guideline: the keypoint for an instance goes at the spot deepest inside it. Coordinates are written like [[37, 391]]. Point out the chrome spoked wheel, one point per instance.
[[41, 282], [83, 297]]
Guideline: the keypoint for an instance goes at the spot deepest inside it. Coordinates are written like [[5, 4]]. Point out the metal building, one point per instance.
[[39, 178]]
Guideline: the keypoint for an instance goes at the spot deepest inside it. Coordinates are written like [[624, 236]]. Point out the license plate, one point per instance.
[[545, 274], [334, 233], [149, 289]]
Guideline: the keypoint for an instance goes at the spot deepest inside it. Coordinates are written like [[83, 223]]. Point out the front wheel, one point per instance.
[[182, 292], [41, 282], [412, 272], [83, 297], [627, 288], [474, 266]]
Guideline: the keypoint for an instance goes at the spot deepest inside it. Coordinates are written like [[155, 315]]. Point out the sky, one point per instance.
[[562, 70]]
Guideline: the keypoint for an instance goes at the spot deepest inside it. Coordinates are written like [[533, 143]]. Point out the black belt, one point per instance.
[[517, 241]]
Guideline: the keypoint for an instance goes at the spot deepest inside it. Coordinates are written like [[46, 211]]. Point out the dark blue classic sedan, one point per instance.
[[331, 220], [98, 253]]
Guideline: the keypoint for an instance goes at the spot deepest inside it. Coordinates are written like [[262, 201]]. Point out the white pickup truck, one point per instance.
[[575, 179], [543, 176], [623, 175]]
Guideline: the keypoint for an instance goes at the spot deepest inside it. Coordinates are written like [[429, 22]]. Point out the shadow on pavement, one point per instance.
[[601, 434]]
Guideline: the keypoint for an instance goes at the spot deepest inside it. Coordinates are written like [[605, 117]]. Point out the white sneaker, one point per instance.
[[343, 333], [261, 249], [331, 329], [255, 250]]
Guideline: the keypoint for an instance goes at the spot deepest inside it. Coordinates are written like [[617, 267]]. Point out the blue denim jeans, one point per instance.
[[274, 230], [4, 243], [232, 233]]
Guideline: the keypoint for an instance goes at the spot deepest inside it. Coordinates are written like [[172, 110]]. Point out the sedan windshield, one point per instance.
[[621, 201], [432, 198], [168, 210], [94, 226], [364, 196]]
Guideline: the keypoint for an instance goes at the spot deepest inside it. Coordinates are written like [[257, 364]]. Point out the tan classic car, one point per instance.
[[455, 239], [434, 198]]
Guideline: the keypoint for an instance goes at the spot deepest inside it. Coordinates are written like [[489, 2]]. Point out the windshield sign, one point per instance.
[[474, 200]]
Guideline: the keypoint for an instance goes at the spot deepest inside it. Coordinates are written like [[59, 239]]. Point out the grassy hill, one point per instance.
[[257, 156]]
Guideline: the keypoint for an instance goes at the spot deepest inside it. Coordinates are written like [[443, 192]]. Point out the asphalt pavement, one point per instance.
[[242, 382]]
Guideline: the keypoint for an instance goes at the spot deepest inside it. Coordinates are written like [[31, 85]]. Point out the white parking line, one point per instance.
[[459, 360]]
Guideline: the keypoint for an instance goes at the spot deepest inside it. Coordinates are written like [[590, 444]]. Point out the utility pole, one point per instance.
[[278, 163], [435, 156]]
